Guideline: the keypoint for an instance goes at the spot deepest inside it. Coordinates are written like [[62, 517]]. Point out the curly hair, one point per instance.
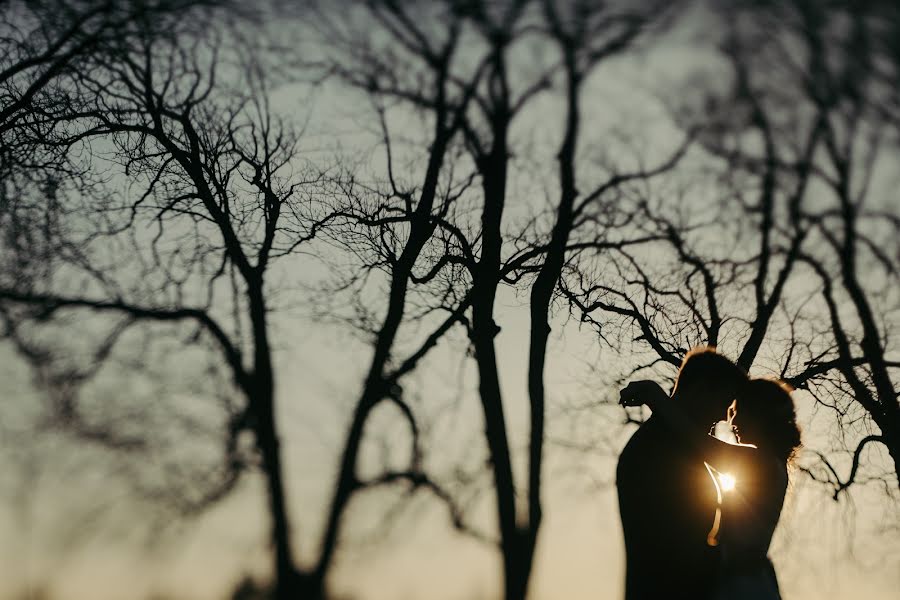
[[767, 417]]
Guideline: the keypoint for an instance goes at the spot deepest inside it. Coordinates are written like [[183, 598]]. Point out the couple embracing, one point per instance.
[[698, 513]]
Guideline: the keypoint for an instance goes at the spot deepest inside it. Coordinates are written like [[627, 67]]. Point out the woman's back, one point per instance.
[[750, 511], [750, 514]]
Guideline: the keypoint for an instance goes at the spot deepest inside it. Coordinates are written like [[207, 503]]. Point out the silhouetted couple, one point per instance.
[[698, 513]]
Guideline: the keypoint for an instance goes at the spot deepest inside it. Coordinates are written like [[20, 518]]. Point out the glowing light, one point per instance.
[[727, 481]]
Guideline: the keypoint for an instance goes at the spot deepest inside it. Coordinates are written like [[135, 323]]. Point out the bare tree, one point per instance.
[[584, 36], [223, 193], [795, 184], [393, 228], [481, 256]]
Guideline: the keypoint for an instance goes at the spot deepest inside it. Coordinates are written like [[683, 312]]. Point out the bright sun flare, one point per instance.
[[727, 481]]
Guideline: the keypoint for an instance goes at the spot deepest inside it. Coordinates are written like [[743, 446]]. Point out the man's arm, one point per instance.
[[714, 451]]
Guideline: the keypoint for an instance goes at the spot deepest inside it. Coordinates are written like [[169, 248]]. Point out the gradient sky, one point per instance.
[[823, 550]]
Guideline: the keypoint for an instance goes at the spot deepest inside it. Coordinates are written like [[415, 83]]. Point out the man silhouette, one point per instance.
[[667, 500]]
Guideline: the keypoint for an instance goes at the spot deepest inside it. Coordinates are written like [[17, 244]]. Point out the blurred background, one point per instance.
[[334, 299]]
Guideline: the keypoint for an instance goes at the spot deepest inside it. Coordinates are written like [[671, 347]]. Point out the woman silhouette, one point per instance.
[[750, 512]]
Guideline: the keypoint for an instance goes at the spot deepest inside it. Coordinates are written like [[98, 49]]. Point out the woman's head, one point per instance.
[[766, 417]]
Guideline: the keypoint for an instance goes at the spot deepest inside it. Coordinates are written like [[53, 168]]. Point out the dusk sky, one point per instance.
[[83, 518]]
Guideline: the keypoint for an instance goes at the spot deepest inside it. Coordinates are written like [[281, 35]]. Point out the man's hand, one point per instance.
[[642, 392]]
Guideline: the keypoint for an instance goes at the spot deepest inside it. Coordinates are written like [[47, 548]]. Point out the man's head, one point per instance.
[[707, 384]]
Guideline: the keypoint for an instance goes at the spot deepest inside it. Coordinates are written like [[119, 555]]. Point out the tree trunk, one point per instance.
[[261, 396], [890, 431], [493, 169], [498, 447], [269, 447]]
